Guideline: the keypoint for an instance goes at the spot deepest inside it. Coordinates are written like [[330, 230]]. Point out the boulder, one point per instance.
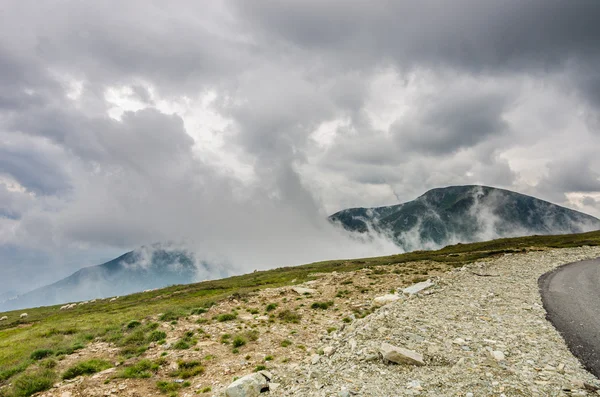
[[248, 386], [418, 287], [302, 290], [400, 355], [385, 299]]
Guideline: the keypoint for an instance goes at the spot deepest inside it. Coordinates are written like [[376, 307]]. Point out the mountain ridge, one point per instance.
[[465, 213]]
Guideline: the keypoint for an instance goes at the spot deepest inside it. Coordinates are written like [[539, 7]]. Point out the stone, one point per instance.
[[400, 355], [329, 350], [418, 287], [315, 359], [497, 355], [385, 299], [247, 386], [66, 394], [302, 290], [262, 318]]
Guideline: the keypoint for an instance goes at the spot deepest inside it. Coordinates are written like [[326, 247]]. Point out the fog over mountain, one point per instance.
[[235, 128], [462, 214], [441, 216]]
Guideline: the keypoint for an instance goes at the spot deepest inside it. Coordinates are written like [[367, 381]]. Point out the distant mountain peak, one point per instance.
[[469, 213]]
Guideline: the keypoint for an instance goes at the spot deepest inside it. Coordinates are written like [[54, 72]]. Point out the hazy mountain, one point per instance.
[[464, 214], [146, 268]]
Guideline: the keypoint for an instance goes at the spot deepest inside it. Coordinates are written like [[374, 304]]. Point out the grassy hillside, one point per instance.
[[49, 332]]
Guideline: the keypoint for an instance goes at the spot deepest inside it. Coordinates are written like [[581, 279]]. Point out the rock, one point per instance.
[[385, 299], [344, 393], [315, 359], [66, 394], [262, 318], [418, 287], [302, 290], [247, 386], [497, 355], [329, 350], [400, 355], [274, 386]]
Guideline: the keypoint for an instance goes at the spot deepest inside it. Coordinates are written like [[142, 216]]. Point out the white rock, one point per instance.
[[302, 290], [329, 350], [385, 299], [247, 386], [418, 287], [497, 355], [400, 355], [315, 359], [262, 318], [66, 394]]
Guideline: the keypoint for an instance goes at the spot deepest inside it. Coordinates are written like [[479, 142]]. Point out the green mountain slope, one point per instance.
[[465, 214]]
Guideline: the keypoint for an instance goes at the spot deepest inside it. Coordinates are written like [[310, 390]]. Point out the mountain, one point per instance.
[[460, 214], [145, 268]]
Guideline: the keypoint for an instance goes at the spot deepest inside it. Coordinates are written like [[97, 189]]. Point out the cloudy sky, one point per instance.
[[239, 125]]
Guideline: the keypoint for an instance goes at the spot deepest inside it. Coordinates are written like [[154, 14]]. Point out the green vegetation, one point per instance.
[[321, 305], [88, 367], [66, 331], [31, 382], [239, 341], [289, 316], [141, 369], [226, 317], [41, 353], [155, 336], [271, 306], [286, 343], [187, 369]]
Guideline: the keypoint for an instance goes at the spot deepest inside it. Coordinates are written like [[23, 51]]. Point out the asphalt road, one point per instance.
[[571, 296]]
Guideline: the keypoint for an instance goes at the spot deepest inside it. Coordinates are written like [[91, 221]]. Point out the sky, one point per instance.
[[238, 126]]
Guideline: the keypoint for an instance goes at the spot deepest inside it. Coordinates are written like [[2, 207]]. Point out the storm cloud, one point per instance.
[[237, 127]]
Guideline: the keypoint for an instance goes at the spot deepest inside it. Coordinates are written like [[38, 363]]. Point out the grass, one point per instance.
[[239, 341], [187, 369], [289, 316], [321, 305], [88, 367], [140, 370], [31, 382], [67, 331]]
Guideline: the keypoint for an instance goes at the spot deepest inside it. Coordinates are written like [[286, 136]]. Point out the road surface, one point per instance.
[[571, 296]]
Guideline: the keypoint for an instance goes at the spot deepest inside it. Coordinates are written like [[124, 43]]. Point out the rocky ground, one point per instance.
[[480, 329]]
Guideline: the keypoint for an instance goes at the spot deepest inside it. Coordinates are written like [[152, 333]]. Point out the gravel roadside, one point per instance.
[[481, 329]]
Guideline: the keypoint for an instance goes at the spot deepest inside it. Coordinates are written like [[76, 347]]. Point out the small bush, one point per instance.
[[181, 344], [259, 368], [169, 316], [41, 353], [271, 306], [155, 336], [133, 324], [33, 382], [226, 317], [268, 358], [141, 369], [86, 368], [206, 389], [239, 341], [347, 320], [289, 316], [252, 335], [167, 387], [321, 305], [187, 369], [331, 329], [286, 343], [48, 363], [253, 311], [199, 310]]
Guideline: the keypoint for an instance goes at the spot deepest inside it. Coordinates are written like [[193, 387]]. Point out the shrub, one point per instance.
[[199, 310], [155, 336], [33, 382], [252, 335], [347, 320], [259, 368], [321, 305], [86, 368], [141, 369], [268, 358], [48, 363], [286, 343], [253, 311], [181, 344], [226, 317], [239, 341], [187, 369], [271, 306], [169, 316], [133, 324], [167, 387], [289, 316], [41, 353], [206, 389]]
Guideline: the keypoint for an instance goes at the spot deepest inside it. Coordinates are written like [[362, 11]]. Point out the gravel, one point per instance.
[[481, 330]]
